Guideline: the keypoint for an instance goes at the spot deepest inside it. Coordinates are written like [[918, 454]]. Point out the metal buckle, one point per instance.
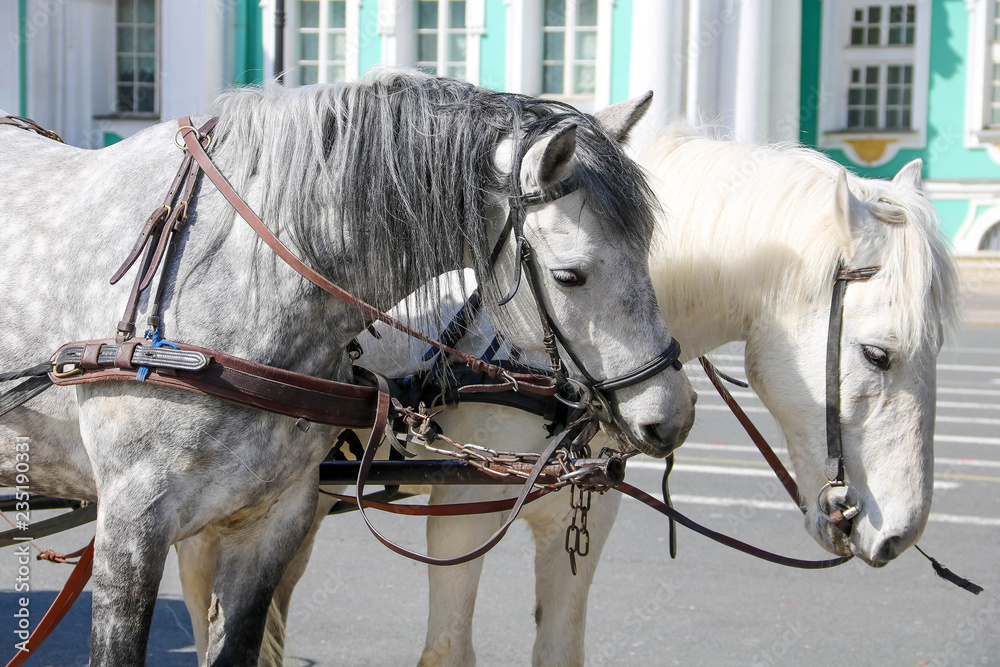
[[65, 374]]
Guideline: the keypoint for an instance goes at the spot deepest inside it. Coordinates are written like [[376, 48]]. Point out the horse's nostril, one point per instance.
[[888, 549]]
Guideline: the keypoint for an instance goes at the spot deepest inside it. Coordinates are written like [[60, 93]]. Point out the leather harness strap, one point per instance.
[[243, 382], [533, 383], [732, 542], [30, 125], [762, 445], [60, 606]]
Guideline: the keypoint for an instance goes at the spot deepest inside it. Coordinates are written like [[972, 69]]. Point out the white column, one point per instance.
[[753, 66], [602, 83], [475, 24], [9, 59], [692, 93], [659, 58], [267, 37], [395, 26], [352, 55], [524, 46], [785, 71], [183, 77]]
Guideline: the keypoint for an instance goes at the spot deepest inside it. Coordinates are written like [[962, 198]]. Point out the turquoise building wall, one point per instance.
[[945, 156]]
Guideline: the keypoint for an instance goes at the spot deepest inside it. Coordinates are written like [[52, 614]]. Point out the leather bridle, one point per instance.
[[842, 511], [590, 394]]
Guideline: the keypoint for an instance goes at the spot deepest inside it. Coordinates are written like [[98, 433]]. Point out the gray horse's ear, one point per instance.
[[842, 206], [910, 176], [619, 119], [550, 156]]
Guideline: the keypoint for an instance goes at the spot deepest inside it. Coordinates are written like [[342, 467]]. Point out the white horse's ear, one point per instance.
[[842, 205], [548, 159], [910, 176], [619, 119]]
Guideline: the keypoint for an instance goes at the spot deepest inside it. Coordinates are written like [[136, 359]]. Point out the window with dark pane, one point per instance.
[[135, 56], [902, 24], [322, 41], [442, 37], [899, 97], [863, 98], [993, 69], [569, 47]]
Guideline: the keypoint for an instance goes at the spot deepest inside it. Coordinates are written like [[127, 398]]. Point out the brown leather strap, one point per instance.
[[534, 383], [732, 542], [28, 124], [60, 606], [755, 435], [251, 384], [451, 509]]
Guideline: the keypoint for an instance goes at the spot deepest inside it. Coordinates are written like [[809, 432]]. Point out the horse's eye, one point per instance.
[[568, 277], [876, 356]]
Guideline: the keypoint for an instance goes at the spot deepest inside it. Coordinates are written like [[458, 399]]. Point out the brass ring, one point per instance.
[[181, 129]]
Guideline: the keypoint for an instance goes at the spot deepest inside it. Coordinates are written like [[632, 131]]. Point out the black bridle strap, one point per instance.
[[834, 468], [670, 357]]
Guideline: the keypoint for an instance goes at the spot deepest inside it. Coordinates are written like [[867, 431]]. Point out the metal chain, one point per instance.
[[577, 535], [421, 432]]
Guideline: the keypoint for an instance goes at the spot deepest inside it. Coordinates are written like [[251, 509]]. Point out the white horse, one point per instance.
[[379, 185], [749, 253]]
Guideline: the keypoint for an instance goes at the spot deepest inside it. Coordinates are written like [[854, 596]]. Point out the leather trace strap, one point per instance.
[[757, 552], [60, 606], [533, 383]]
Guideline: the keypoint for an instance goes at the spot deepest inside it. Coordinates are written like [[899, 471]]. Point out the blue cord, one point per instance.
[[153, 334]]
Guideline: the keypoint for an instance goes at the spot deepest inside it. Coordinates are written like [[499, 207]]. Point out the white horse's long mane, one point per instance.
[[778, 203]]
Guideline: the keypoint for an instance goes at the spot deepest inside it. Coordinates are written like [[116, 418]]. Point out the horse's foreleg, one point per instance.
[[133, 538], [453, 589], [560, 597], [264, 546]]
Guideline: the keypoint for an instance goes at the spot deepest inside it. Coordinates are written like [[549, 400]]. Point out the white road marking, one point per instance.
[[966, 368], [777, 505], [735, 471], [968, 439], [782, 451]]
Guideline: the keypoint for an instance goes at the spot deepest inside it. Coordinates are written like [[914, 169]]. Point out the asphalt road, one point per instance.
[[362, 605]]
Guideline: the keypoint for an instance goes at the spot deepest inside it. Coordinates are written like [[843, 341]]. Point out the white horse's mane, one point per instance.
[[793, 189]]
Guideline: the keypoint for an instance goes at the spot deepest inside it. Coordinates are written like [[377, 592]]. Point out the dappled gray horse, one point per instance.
[[380, 186]]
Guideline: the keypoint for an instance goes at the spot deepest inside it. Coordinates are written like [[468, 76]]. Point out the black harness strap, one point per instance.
[[56, 524]]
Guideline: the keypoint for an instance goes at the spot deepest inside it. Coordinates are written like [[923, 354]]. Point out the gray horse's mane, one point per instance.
[[394, 173]]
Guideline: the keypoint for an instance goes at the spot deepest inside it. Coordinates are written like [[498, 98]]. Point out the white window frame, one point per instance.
[[570, 31], [352, 66], [837, 59], [398, 32], [524, 53], [157, 67], [979, 73]]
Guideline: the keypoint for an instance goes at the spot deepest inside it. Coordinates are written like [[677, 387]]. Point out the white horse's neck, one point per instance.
[[730, 255]]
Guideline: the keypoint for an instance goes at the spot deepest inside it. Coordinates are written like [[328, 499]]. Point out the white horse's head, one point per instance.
[[893, 326], [588, 264]]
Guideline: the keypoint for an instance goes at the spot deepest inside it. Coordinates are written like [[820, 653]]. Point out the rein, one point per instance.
[[193, 145]]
